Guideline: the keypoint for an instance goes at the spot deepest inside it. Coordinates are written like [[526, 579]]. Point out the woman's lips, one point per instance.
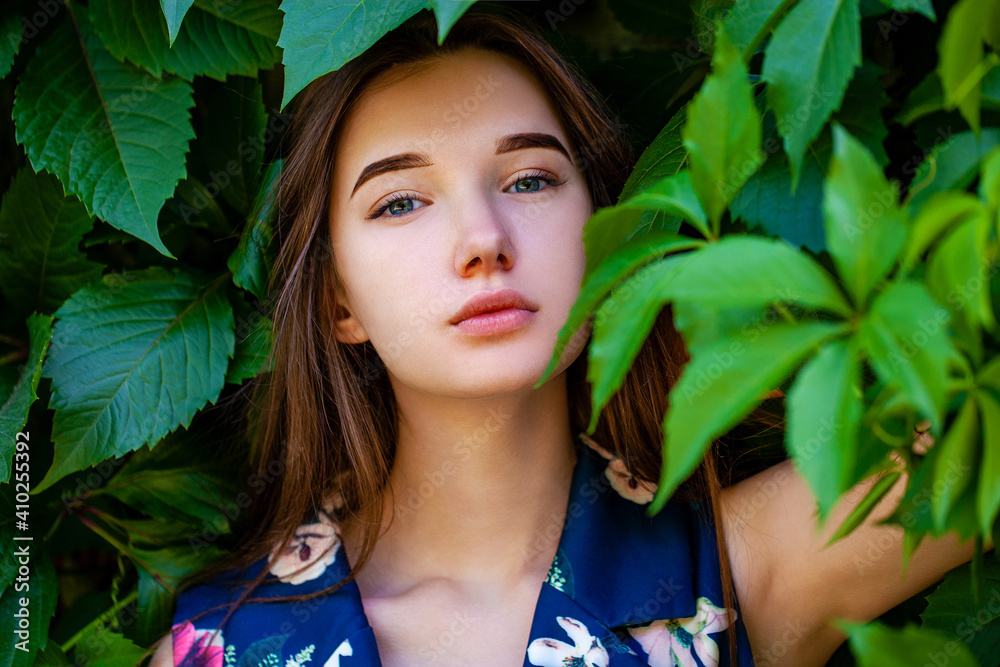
[[495, 322]]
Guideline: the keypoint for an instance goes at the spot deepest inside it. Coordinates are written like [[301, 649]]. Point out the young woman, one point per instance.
[[431, 505]]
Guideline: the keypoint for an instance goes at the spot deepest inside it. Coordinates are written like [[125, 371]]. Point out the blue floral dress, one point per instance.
[[624, 590]]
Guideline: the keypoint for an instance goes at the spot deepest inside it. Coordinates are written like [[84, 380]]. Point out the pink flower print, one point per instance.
[[586, 651], [192, 648], [673, 642], [622, 481], [313, 548]]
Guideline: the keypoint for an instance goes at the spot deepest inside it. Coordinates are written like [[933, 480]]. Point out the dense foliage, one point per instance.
[[817, 198]]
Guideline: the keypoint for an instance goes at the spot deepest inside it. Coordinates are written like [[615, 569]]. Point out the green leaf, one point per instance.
[[319, 36], [750, 22], [722, 383], [14, 412], [988, 490], [41, 597], [621, 326], [989, 179], [252, 260], [722, 132], [100, 647], [877, 645], [807, 66], [665, 156], [447, 12], [253, 344], [957, 459], [952, 610], [905, 337], [960, 51], [748, 271], [133, 363], [938, 214], [40, 230], [865, 228], [608, 273], [11, 34], [824, 412], [674, 194], [953, 163], [216, 38], [865, 506], [76, 115], [920, 6], [173, 12]]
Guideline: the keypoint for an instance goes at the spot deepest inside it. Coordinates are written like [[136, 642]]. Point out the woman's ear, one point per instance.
[[347, 327]]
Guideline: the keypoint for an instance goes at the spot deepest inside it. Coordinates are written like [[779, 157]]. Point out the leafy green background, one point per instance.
[[817, 197]]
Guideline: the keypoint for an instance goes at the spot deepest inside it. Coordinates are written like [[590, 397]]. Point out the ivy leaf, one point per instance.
[[173, 12], [904, 335], [920, 6], [722, 132], [665, 156], [750, 22], [41, 228], [10, 42], [865, 228], [807, 66], [721, 384], [319, 36], [447, 12], [952, 610], [216, 38], [938, 214], [132, 363], [960, 50], [988, 490], [252, 260], [824, 413], [100, 647], [955, 162], [877, 645], [76, 114], [956, 461], [14, 412]]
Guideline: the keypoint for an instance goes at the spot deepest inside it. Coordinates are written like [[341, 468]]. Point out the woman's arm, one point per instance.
[[164, 656], [790, 586]]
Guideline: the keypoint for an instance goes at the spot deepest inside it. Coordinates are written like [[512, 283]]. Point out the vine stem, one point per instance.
[[100, 620]]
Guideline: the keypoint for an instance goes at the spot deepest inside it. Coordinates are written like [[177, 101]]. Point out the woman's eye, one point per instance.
[[532, 183], [396, 207]]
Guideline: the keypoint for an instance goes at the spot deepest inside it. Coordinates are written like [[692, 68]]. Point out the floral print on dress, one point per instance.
[[313, 548], [586, 651], [622, 481], [196, 648], [675, 642]]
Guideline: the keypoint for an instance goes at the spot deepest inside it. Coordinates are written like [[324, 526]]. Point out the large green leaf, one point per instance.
[[319, 36], [824, 412], [939, 213], [988, 491], [132, 363], [807, 66], [40, 232], [664, 157], [14, 412], [721, 384], [750, 22], [905, 337], [447, 12], [865, 228], [951, 609], [877, 645], [173, 12], [961, 52], [216, 38], [749, 271], [722, 132], [10, 41], [956, 463], [114, 136]]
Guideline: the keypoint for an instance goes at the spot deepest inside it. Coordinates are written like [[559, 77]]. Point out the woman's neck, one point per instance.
[[480, 489]]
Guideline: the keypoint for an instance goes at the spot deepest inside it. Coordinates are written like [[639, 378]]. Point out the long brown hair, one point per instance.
[[325, 413]]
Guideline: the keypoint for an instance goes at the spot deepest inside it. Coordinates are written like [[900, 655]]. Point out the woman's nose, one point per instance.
[[483, 230]]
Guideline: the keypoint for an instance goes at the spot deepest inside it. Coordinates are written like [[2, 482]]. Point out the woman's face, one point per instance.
[[415, 239]]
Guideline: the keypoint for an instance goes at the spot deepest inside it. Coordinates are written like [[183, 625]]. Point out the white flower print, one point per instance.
[[675, 642], [343, 650], [622, 481], [314, 547], [586, 651]]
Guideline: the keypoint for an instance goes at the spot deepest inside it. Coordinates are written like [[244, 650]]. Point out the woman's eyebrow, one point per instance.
[[505, 144]]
